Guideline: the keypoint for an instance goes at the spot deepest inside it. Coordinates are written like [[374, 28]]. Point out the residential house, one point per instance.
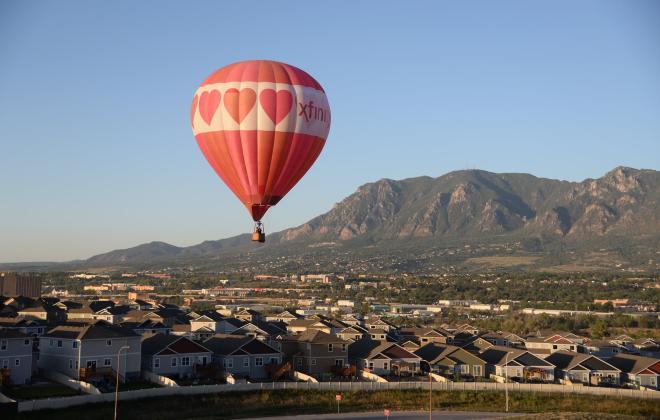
[[379, 324], [638, 370], [353, 333], [146, 327], [424, 336], [383, 357], [243, 356], [603, 348], [31, 327], [15, 357], [553, 343], [452, 360], [174, 356], [88, 350], [517, 364], [249, 315], [584, 368], [284, 316], [297, 326], [315, 352]]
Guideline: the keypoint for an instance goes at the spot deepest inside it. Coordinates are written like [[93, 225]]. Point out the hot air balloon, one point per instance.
[[261, 125]]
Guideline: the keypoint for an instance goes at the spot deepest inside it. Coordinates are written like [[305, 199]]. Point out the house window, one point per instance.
[[246, 362], [70, 363], [343, 347], [371, 365], [203, 360], [3, 345], [330, 347], [5, 364], [17, 362], [174, 362], [185, 361], [465, 369], [299, 362], [26, 342], [108, 342], [40, 330], [230, 363], [385, 365], [156, 362], [477, 370], [259, 361], [313, 362], [339, 362], [107, 362], [554, 347], [59, 343], [74, 344], [51, 342]]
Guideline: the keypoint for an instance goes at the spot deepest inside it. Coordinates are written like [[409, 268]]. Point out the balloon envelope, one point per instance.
[[261, 125]]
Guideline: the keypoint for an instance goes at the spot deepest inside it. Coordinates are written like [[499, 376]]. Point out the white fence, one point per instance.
[[331, 386], [157, 379], [303, 377], [71, 383]]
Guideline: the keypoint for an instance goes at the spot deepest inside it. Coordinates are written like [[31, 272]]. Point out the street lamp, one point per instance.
[[506, 380], [117, 382]]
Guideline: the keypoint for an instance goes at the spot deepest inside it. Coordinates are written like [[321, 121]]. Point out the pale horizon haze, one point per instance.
[[96, 147]]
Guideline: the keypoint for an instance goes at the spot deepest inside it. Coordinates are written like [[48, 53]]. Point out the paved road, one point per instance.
[[406, 415]]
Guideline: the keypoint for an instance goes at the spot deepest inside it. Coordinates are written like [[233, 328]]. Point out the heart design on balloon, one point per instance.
[[277, 105], [208, 104], [239, 104], [193, 109]]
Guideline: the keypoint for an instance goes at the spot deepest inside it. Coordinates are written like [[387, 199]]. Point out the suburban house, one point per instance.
[[243, 356], [583, 368], [648, 347], [638, 370], [452, 360], [603, 348], [301, 325], [553, 343], [517, 364], [249, 315], [383, 357], [146, 327], [31, 327], [208, 321], [15, 357], [424, 336], [284, 316], [264, 331], [353, 333], [378, 323], [90, 350], [171, 355], [315, 352]]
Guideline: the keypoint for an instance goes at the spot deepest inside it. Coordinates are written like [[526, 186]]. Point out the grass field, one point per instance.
[[290, 402], [36, 392], [506, 261]]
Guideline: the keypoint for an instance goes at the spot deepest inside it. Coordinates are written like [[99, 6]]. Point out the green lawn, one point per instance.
[[36, 392], [291, 402]]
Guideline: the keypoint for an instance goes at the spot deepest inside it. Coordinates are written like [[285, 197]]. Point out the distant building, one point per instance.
[[14, 284]]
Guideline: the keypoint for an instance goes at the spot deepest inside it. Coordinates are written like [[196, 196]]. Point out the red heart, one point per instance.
[[277, 105], [239, 104], [193, 108], [208, 104]]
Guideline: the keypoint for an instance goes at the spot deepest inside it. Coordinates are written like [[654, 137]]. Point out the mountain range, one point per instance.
[[472, 219]]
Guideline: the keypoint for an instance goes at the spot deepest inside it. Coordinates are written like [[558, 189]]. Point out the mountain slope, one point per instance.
[[414, 223]]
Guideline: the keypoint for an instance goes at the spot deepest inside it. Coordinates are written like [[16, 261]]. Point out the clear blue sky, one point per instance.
[[97, 153]]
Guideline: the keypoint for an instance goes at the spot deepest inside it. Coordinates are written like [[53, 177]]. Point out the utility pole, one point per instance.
[[430, 395], [117, 382]]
